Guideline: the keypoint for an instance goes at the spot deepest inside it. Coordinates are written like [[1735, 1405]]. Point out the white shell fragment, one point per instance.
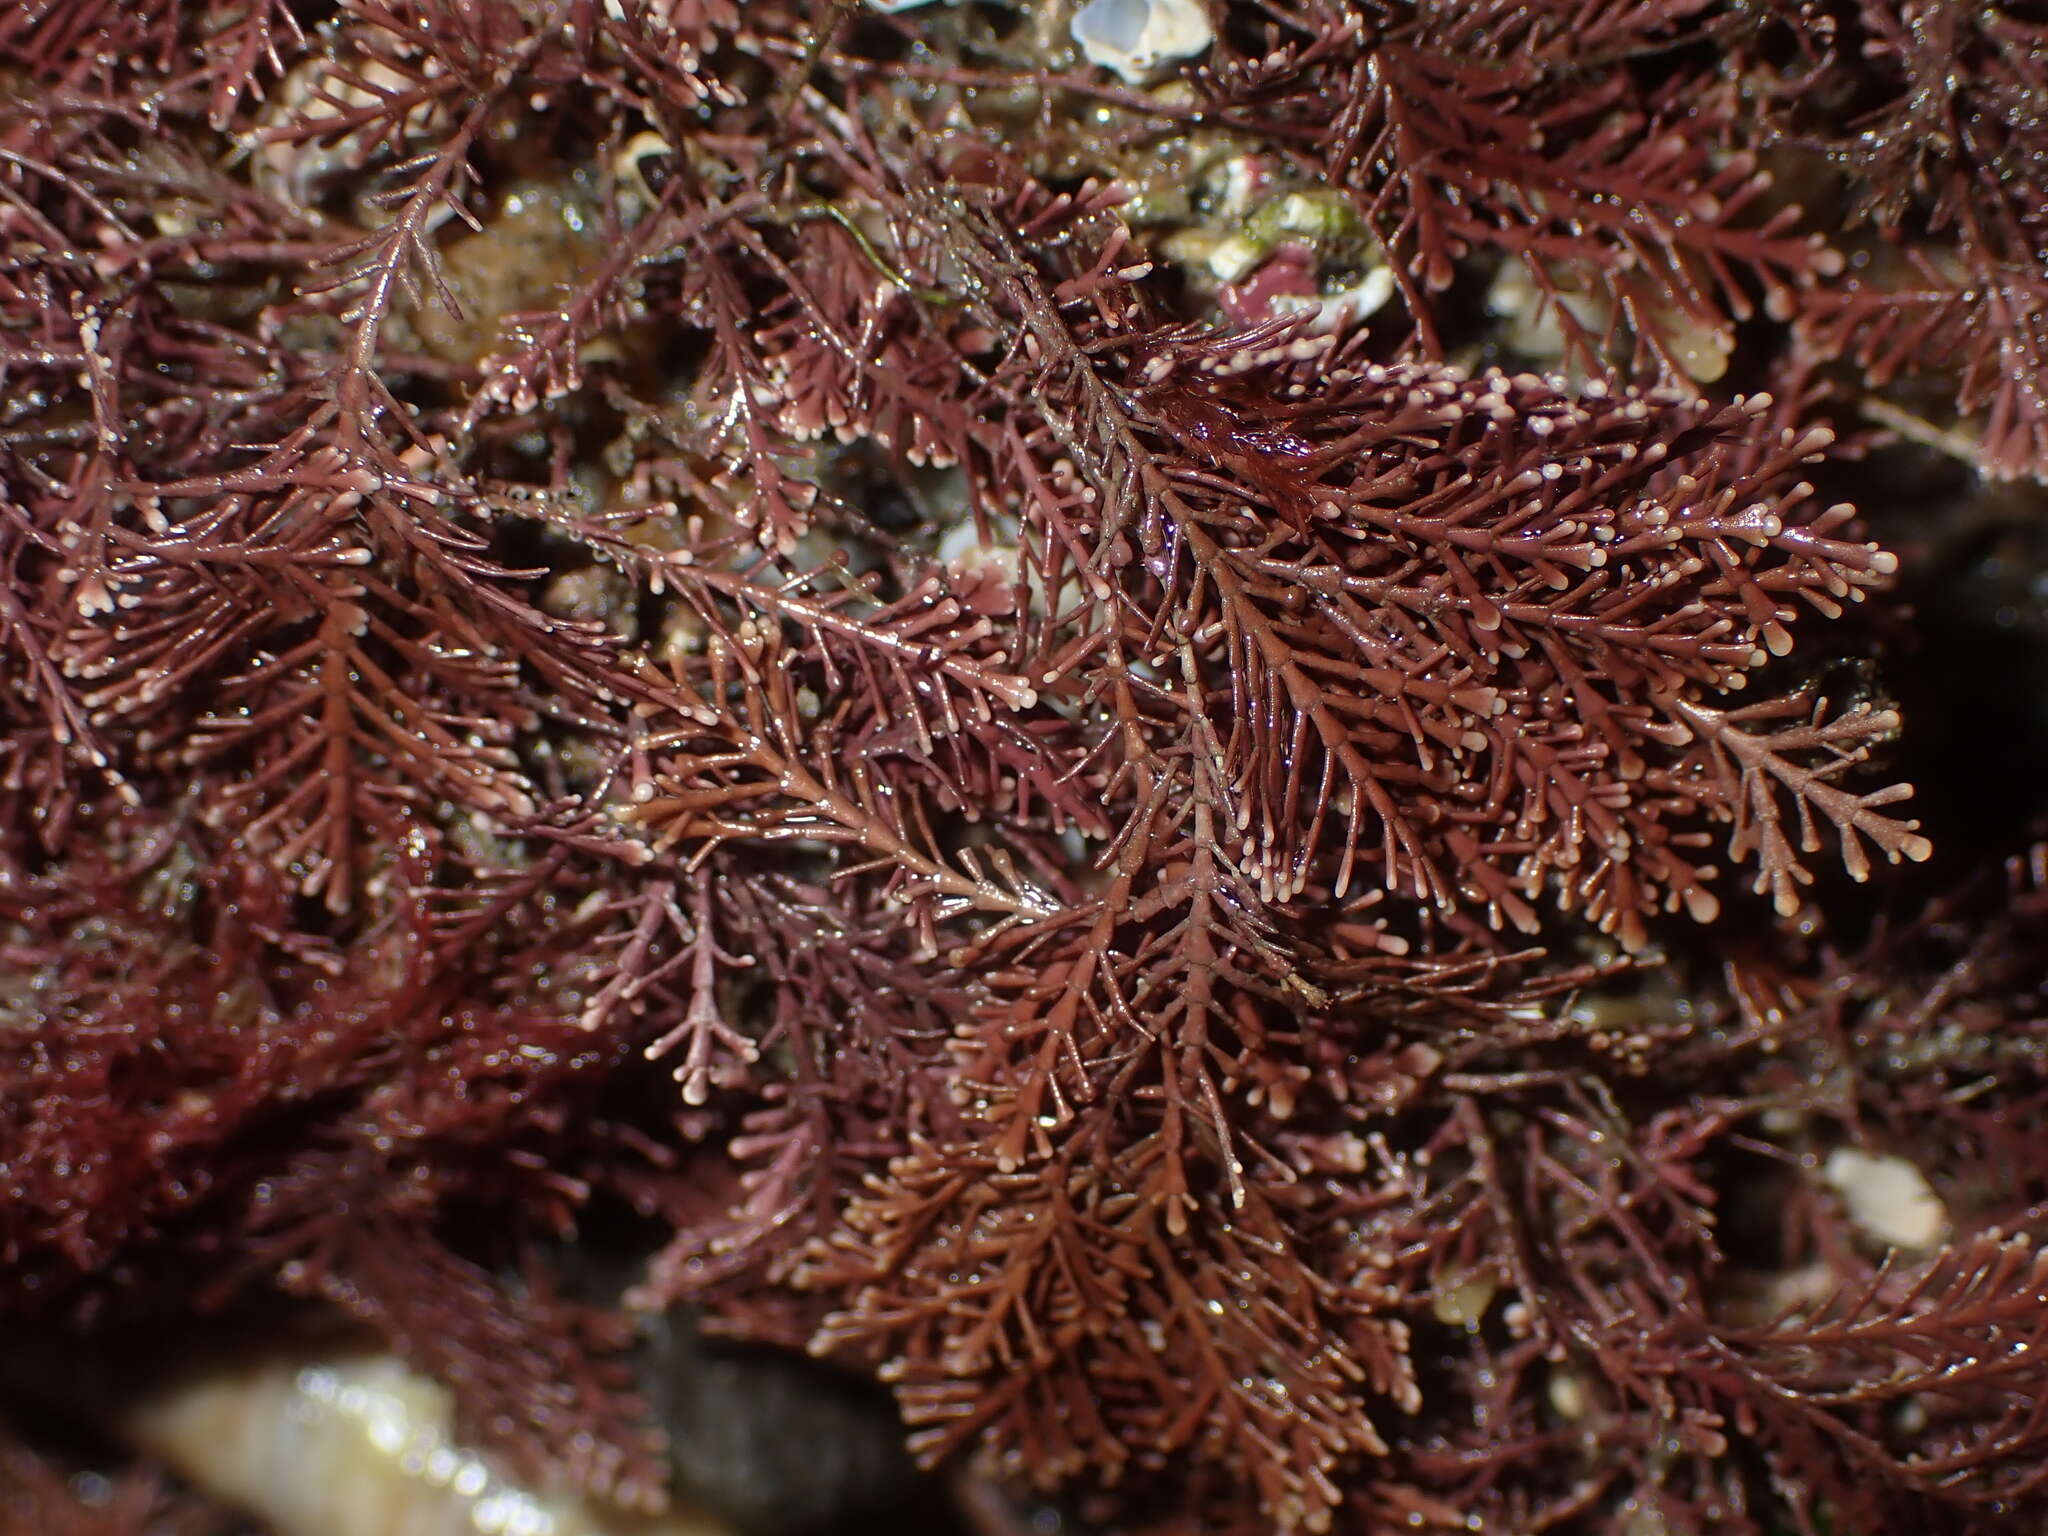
[[358, 1445], [1335, 311], [1137, 38], [1887, 1197]]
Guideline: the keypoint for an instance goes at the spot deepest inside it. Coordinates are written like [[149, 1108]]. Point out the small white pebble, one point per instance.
[[1887, 1197]]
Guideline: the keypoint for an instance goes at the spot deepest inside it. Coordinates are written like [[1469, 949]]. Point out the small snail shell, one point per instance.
[[1137, 39], [357, 1445]]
